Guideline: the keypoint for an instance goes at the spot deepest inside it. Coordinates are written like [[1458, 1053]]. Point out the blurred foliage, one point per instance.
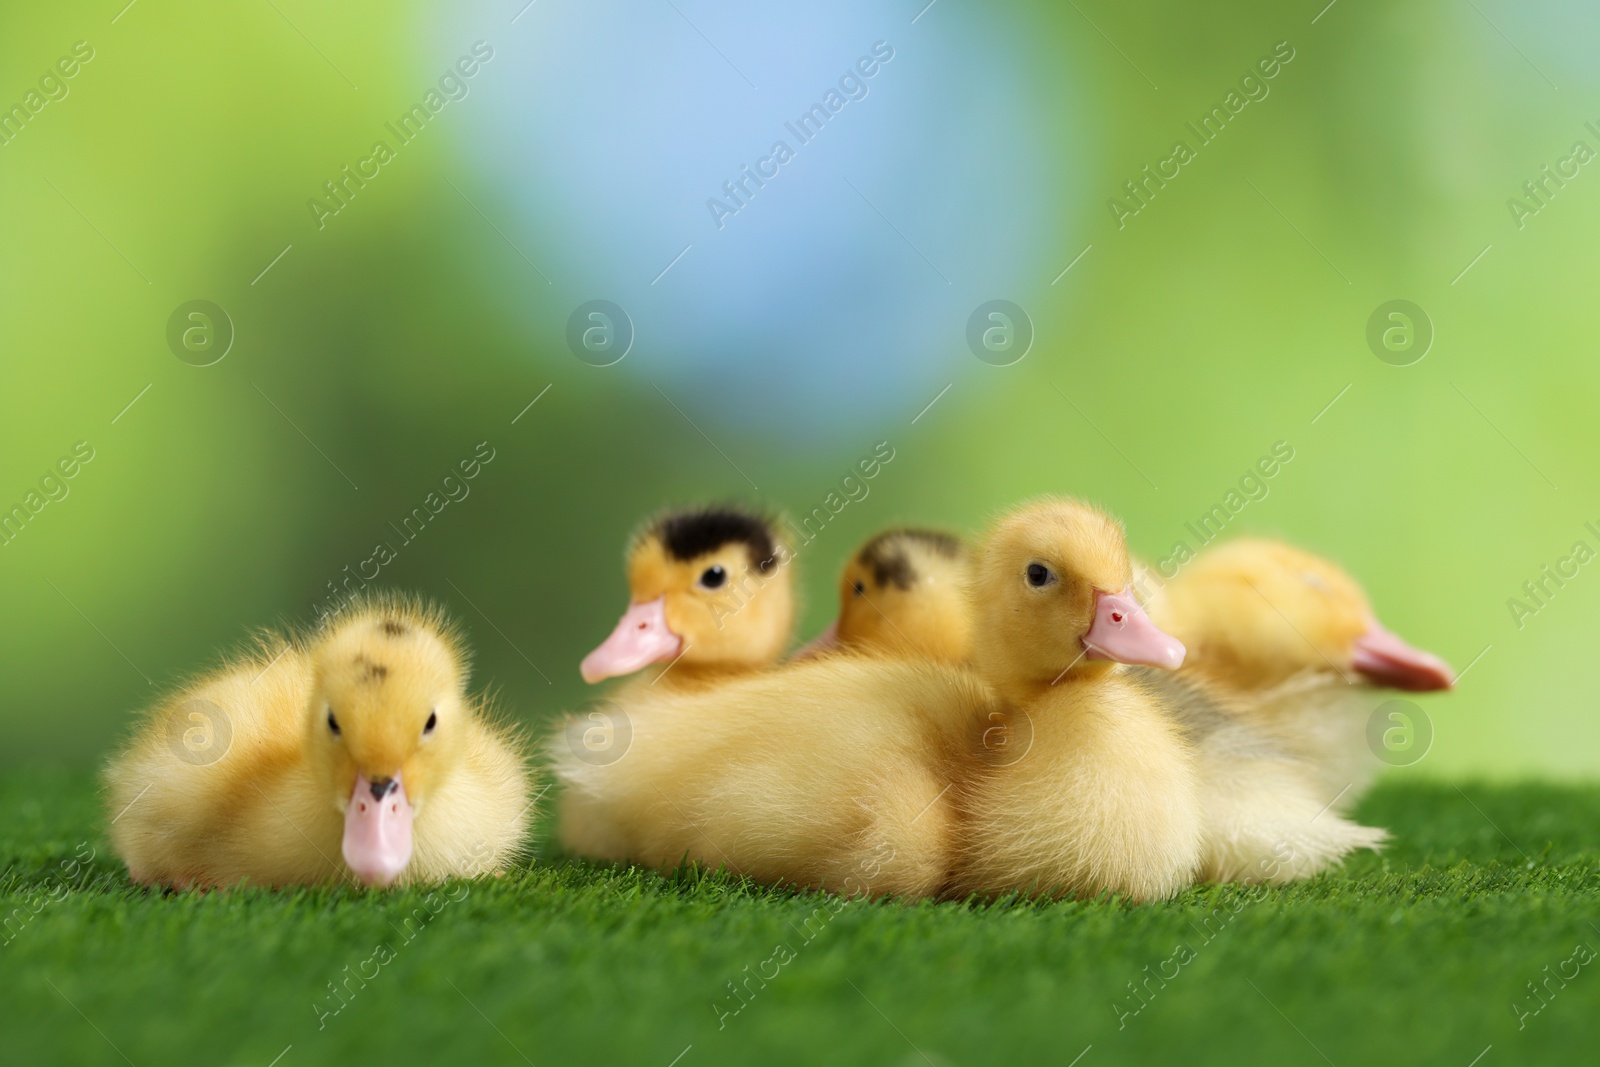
[[1210, 326]]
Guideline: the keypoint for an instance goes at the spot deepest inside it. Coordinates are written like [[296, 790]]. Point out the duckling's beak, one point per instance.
[[377, 830], [1384, 659], [1122, 632], [826, 641], [640, 639]]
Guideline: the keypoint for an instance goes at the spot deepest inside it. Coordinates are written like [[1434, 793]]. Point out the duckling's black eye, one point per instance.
[[433, 720], [1039, 575], [333, 724], [860, 589], [713, 577]]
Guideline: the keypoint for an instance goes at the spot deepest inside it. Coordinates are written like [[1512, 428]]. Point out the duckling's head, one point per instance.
[[388, 712], [904, 592], [1290, 611], [708, 588], [1051, 600]]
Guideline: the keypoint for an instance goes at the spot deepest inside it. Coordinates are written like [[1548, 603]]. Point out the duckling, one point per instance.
[[354, 752], [1289, 642], [903, 593], [1256, 613], [1097, 789], [711, 596]]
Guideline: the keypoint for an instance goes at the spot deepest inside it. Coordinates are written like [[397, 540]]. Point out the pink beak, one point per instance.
[[1387, 661], [1124, 633], [826, 641], [640, 639], [377, 830]]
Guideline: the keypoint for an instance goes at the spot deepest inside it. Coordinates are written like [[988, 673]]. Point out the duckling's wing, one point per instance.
[[1270, 774]]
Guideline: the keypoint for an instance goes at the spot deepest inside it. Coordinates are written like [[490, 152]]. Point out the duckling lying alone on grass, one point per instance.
[[710, 596], [353, 752]]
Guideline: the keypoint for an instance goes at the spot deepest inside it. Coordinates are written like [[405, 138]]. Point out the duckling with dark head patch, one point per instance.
[[901, 594]]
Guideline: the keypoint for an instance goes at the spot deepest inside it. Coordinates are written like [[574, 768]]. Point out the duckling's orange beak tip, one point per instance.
[[1384, 659], [1122, 632], [640, 639], [377, 830]]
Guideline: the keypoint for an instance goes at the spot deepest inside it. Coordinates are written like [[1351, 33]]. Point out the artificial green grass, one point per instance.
[[1421, 955]]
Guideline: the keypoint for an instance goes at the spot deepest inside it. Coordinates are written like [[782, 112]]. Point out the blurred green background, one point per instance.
[[378, 351]]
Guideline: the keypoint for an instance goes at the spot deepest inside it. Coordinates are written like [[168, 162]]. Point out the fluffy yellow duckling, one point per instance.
[[903, 593], [353, 753], [711, 596], [1288, 642], [1094, 788], [1256, 613]]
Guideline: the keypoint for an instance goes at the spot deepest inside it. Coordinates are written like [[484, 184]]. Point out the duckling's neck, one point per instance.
[[1033, 691], [689, 677]]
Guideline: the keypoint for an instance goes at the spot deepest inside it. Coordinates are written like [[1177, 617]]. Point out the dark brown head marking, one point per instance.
[[371, 672], [394, 627], [891, 566], [688, 534], [886, 554]]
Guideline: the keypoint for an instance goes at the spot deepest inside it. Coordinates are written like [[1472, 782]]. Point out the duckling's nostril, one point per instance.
[[381, 787]]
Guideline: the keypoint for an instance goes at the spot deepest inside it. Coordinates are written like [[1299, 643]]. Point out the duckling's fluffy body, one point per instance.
[[238, 776], [833, 774], [1087, 790]]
